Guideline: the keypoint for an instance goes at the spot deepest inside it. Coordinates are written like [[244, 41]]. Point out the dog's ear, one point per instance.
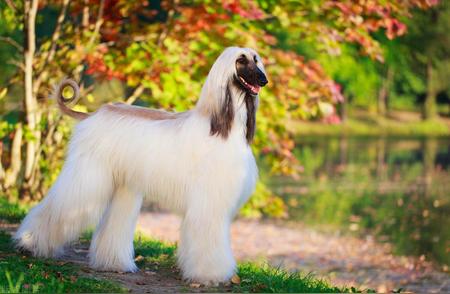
[[251, 103], [222, 117]]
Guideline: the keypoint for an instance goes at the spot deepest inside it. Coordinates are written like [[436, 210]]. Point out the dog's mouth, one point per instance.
[[251, 88]]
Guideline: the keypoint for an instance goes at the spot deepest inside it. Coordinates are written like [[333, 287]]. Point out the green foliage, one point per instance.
[[359, 77], [164, 50], [264, 202]]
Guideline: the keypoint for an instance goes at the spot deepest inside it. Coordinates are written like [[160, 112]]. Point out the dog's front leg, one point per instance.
[[204, 253], [112, 244]]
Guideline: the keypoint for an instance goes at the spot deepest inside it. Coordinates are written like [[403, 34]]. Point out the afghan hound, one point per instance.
[[197, 163]]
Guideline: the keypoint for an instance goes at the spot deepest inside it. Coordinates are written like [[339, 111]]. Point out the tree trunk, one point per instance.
[[383, 95], [12, 173], [342, 110], [429, 158], [30, 101], [429, 107]]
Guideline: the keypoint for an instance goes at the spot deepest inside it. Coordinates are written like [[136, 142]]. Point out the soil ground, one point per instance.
[[344, 260], [147, 280]]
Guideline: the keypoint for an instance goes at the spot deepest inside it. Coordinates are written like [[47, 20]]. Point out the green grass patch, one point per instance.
[[155, 255], [254, 278], [266, 279], [151, 248], [371, 125], [11, 212], [22, 273]]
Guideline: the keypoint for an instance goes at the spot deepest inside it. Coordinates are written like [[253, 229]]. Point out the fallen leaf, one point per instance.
[[139, 258], [195, 285], [236, 280]]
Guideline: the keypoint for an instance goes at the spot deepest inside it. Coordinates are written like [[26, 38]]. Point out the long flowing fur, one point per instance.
[[197, 163]]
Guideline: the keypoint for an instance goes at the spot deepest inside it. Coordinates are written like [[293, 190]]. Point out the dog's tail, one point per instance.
[[62, 101]]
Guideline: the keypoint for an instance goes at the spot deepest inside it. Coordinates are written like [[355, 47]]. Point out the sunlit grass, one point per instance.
[[266, 279], [369, 127], [11, 212], [22, 273], [253, 278]]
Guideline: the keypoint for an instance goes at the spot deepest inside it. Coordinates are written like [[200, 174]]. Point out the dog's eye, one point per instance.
[[254, 59], [242, 59]]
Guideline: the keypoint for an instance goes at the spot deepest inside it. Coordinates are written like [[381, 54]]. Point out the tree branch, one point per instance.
[[167, 28], [85, 17], [136, 93], [162, 36], [11, 5], [98, 23], [19, 64], [50, 54], [11, 42]]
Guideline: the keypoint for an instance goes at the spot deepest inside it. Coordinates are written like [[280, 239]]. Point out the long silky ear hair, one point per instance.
[[216, 99], [251, 103], [222, 119]]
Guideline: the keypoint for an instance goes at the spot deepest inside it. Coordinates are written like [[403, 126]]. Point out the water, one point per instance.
[[397, 190]]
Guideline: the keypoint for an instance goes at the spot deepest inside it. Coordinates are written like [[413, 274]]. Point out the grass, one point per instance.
[[11, 212], [266, 279], [253, 278], [22, 273], [363, 123]]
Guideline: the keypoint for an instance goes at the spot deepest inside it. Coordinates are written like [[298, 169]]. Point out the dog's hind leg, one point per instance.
[[112, 245], [76, 200]]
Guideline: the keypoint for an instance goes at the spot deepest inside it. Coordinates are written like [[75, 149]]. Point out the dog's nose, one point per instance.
[[262, 80]]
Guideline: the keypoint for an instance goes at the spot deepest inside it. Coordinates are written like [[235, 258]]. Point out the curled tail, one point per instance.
[[63, 101]]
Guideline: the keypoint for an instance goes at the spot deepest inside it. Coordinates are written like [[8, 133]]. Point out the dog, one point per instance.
[[197, 163]]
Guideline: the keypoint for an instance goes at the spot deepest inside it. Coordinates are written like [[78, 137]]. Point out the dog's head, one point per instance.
[[235, 78], [250, 74], [239, 67]]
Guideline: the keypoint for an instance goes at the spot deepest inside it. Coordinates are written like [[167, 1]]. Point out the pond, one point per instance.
[[395, 189]]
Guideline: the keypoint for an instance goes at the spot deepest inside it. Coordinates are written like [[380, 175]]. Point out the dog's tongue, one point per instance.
[[255, 89]]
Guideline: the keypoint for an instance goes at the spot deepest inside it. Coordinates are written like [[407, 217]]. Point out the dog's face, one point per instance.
[[250, 75]]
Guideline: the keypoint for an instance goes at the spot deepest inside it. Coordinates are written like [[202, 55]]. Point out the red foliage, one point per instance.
[[251, 12], [97, 67], [197, 19]]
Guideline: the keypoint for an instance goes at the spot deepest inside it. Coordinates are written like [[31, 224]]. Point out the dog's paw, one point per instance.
[[206, 280], [124, 267]]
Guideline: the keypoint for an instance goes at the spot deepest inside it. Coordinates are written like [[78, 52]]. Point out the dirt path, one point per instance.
[[343, 260], [144, 281]]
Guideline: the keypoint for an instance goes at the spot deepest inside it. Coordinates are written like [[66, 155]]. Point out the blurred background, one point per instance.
[[353, 130]]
